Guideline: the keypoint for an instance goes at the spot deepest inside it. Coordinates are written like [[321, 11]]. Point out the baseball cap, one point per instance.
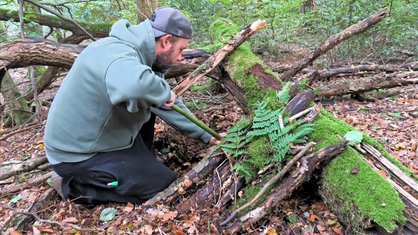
[[167, 20]]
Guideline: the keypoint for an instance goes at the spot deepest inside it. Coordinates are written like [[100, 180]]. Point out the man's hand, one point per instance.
[[214, 141], [170, 102]]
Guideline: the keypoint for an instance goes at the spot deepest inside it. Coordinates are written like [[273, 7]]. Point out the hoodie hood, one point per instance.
[[134, 36]]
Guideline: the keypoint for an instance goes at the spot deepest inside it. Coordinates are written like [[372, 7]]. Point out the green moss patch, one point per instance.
[[362, 193]]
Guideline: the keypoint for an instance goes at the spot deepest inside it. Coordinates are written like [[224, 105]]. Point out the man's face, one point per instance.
[[165, 59]]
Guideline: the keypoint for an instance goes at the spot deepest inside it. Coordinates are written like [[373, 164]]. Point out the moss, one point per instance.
[[260, 152], [374, 197]]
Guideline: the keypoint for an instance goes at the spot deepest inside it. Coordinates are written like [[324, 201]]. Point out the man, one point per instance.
[[100, 128]]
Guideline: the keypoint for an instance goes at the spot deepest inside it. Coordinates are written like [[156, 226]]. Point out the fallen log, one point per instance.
[[359, 85], [34, 51], [407, 187]]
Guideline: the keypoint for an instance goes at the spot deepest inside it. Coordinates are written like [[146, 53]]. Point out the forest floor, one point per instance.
[[393, 121]]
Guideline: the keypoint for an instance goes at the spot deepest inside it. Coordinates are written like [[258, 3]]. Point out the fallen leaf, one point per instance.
[[176, 230], [271, 231], [337, 230], [331, 222], [355, 170], [71, 220], [320, 228], [129, 207], [181, 191], [187, 183], [36, 231], [13, 232], [318, 207], [382, 173], [312, 218]]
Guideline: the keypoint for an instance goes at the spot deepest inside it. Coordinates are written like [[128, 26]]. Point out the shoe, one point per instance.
[[56, 181]]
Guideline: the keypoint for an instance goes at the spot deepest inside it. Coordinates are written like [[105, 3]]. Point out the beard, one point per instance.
[[163, 62]]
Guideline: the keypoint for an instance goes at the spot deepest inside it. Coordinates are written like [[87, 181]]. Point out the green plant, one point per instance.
[[265, 139]]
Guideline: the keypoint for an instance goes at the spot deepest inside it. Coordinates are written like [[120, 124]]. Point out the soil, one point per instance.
[[392, 120]]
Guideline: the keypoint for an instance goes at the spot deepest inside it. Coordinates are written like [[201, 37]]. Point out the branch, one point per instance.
[[60, 16], [213, 61], [335, 39], [29, 184], [271, 182]]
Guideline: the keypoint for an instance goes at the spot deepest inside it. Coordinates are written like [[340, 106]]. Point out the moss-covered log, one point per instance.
[[359, 199]]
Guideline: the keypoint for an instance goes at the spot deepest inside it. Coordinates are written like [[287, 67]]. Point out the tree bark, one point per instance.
[[31, 51]]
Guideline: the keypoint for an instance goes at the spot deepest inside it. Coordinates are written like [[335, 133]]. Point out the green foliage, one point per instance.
[[235, 140], [271, 135]]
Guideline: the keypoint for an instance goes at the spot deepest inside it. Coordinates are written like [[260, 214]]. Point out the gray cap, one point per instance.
[[167, 20]]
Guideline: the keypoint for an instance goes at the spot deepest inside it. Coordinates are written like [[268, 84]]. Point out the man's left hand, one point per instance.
[[214, 141]]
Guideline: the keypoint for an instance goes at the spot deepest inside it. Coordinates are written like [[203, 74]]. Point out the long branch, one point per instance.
[[334, 40]]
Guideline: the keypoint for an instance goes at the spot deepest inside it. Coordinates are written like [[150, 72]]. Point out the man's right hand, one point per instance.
[[171, 101]]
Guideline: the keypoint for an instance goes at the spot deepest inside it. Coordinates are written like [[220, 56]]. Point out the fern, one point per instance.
[[269, 141], [236, 138], [284, 94], [265, 120]]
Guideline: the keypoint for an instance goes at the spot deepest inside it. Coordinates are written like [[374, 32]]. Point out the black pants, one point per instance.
[[129, 175]]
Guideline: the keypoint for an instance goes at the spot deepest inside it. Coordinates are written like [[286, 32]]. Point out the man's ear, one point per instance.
[[166, 41]]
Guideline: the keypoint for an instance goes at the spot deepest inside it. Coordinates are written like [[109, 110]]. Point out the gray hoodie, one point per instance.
[[108, 94]]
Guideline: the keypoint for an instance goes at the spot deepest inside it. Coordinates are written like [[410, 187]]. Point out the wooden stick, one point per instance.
[[334, 40], [213, 61], [271, 182]]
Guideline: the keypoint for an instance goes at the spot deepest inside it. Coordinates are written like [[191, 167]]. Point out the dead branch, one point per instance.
[[379, 81], [7, 134], [210, 194], [270, 183], [29, 184], [17, 211], [213, 61], [31, 51], [334, 40], [192, 178], [15, 169]]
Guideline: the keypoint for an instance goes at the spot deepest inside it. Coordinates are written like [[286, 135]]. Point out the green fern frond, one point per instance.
[[284, 94], [280, 154], [242, 170], [236, 138]]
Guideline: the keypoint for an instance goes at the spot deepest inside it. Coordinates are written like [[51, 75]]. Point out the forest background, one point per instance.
[[293, 27], [290, 24]]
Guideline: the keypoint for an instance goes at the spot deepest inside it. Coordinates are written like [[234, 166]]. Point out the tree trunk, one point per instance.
[[19, 111], [145, 8]]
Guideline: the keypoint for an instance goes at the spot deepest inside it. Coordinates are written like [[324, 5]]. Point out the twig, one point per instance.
[[272, 181], [29, 184], [17, 211], [17, 131]]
